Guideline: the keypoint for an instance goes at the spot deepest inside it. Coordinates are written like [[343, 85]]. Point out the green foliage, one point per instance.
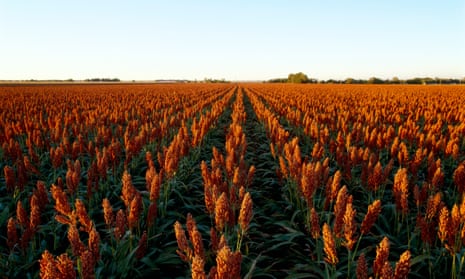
[[297, 78], [375, 80], [212, 80], [103, 80]]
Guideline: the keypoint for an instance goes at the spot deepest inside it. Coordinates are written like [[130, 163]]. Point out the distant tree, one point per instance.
[[278, 80], [302, 78], [414, 81], [428, 80], [298, 78], [349, 81], [211, 80], [395, 80], [103, 79], [334, 81], [375, 80]]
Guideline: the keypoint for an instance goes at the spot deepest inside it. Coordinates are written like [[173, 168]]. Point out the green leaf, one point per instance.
[[420, 259]]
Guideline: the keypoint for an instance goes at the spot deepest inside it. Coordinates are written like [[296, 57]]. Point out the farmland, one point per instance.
[[232, 181]]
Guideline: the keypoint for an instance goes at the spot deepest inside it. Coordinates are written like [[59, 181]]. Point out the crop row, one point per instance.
[[396, 153], [70, 165]]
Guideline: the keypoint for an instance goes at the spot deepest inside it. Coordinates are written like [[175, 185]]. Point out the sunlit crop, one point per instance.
[[232, 181]]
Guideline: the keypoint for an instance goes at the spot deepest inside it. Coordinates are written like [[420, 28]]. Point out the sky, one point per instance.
[[234, 40]]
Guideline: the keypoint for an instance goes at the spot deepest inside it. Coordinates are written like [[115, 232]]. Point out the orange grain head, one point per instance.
[[76, 243], [382, 254], [155, 185], [195, 236], [339, 211], [108, 212], [376, 178], [42, 194], [135, 211], [329, 245], [88, 265], [459, 178], [386, 271], [400, 190], [61, 201], [152, 213], [374, 210], [438, 178], [35, 212], [94, 243], [10, 178], [48, 268], [65, 267], [432, 206], [246, 212], [454, 226], [121, 224], [403, 266], [335, 185], [84, 219], [444, 218], [283, 167], [142, 246], [362, 268], [198, 271], [184, 251], [222, 212], [128, 190], [228, 263], [350, 226], [12, 233], [314, 224], [214, 239], [21, 215]]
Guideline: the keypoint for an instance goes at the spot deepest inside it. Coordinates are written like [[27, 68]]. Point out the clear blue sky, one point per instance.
[[234, 39]]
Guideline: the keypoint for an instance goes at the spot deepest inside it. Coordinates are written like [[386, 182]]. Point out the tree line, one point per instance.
[[102, 80], [303, 78]]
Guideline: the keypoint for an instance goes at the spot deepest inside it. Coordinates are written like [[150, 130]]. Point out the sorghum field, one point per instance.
[[232, 181]]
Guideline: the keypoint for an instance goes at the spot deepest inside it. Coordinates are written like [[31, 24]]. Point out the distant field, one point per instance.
[[232, 181]]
